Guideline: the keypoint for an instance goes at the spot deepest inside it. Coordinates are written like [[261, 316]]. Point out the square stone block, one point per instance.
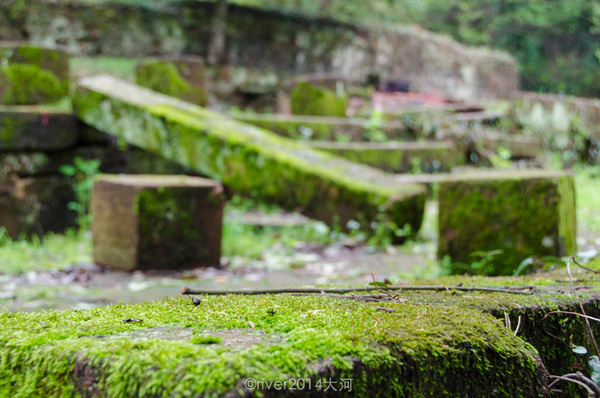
[[157, 222], [522, 214]]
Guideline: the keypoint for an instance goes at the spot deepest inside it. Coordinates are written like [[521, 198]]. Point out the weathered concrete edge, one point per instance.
[[239, 154]]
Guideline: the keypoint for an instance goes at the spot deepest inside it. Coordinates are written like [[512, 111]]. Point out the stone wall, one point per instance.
[[557, 112], [284, 43]]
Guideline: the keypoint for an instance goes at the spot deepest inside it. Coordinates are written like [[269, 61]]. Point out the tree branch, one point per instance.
[[524, 290]]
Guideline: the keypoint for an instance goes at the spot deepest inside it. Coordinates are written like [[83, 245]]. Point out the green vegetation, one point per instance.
[[556, 43], [205, 339], [123, 68], [82, 174], [164, 77], [30, 84], [270, 337], [54, 252], [587, 183], [309, 99]]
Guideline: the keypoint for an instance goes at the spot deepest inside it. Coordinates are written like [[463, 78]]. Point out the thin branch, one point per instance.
[[587, 383], [585, 268], [518, 326], [589, 327], [526, 291], [573, 313]]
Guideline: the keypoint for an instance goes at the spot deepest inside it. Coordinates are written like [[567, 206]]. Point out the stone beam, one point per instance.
[[248, 159]]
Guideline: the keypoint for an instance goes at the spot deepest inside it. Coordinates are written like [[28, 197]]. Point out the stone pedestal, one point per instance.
[[517, 213], [157, 222]]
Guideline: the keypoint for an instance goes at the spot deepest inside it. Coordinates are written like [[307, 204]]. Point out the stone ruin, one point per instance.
[[40, 142]]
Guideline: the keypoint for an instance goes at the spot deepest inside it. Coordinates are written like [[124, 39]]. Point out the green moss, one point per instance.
[[31, 75], [521, 217], [29, 84], [567, 227], [205, 339], [460, 351], [308, 99], [163, 76]]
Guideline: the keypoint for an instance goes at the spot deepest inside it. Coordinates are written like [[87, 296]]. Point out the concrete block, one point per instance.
[[522, 213], [157, 222]]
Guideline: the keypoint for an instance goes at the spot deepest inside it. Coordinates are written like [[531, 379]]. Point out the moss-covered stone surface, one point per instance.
[[310, 99], [35, 128], [398, 157], [157, 222], [521, 214], [32, 75], [178, 77], [315, 128], [430, 344], [250, 160]]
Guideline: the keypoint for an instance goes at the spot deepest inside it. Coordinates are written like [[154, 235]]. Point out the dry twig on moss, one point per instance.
[[517, 290]]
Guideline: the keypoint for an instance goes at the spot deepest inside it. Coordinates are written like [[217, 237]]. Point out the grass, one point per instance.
[[123, 68], [54, 252], [587, 186]]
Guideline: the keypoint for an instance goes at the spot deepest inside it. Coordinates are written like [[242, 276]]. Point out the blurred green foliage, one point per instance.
[[556, 42]]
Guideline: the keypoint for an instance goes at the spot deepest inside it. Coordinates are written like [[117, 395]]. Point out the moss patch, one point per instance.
[[308, 99], [30, 75], [165, 77], [129, 350]]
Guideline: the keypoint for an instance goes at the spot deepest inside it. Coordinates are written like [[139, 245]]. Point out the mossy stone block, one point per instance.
[[36, 205], [157, 222], [32, 75], [161, 349], [34, 128], [181, 77], [522, 214], [251, 160], [398, 157], [310, 99]]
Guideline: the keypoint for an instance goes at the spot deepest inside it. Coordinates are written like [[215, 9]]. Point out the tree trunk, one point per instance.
[[217, 44]]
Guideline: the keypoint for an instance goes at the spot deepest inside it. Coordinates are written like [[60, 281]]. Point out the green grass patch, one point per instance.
[[205, 339], [587, 187], [53, 252], [123, 68]]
